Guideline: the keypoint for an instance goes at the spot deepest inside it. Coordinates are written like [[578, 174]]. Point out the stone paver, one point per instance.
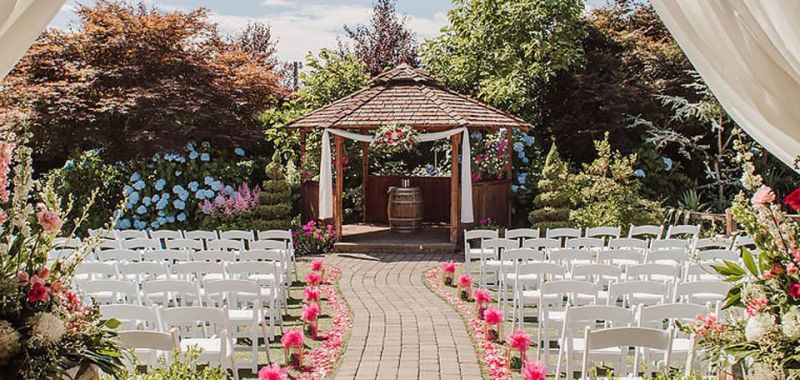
[[401, 330]]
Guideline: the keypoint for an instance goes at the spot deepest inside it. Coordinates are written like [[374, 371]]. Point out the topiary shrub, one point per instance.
[[275, 202], [551, 205]]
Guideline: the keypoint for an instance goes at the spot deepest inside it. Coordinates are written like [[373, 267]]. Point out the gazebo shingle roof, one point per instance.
[[407, 96]]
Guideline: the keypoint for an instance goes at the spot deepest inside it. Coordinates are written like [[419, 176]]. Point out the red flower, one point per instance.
[[794, 290], [38, 293], [793, 200]]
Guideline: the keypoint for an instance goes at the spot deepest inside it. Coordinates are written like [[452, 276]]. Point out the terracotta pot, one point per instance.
[[84, 372]]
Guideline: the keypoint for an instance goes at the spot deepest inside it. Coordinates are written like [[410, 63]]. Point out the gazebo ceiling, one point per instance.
[[408, 96]]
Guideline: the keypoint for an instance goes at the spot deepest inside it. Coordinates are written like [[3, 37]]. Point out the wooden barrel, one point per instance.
[[405, 208]]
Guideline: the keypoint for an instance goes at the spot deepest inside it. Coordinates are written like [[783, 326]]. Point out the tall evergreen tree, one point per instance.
[[551, 205]]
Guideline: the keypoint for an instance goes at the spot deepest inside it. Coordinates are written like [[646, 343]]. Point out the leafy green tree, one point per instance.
[[506, 52], [607, 193], [551, 205], [385, 43]]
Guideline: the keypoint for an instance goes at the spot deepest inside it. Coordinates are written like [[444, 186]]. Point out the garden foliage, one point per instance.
[[551, 204]]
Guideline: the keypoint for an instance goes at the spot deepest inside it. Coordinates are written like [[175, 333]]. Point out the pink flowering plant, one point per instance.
[[314, 237], [489, 157], [243, 200], [766, 286], [45, 329], [394, 138]]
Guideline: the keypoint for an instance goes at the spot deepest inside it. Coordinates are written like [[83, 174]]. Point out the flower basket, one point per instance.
[[518, 341], [492, 333], [515, 362], [465, 287], [482, 299], [447, 279], [448, 273], [312, 328], [294, 355]]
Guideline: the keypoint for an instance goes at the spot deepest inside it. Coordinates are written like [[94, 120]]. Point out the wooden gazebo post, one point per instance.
[[455, 201]]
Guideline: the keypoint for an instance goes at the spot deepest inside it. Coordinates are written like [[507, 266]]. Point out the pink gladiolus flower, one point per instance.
[[272, 372], [483, 296], [44, 273], [292, 338], [310, 312], [5, 167], [519, 339], [313, 278], [317, 265], [465, 281], [492, 316], [794, 290], [449, 267], [534, 371], [311, 294], [764, 195], [49, 220]]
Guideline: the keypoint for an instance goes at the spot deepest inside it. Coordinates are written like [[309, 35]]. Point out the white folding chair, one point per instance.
[[571, 256], [648, 232], [102, 233], [141, 244], [267, 274], [676, 256], [527, 285], [165, 256], [200, 271], [119, 255], [134, 317], [244, 236], [64, 242], [107, 244], [168, 293], [629, 243], [584, 243], [278, 239], [606, 233], [701, 292], [620, 257], [112, 291], [522, 234], [575, 320], [214, 256], [554, 297], [87, 271], [563, 233], [541, 244], [653, 272], [144, 271], [685, 231], [164, 235], [665, 316], [245, 312], [188, 245], [225, 245], [491, 262], [473, 250], [130, 234], [632, 293], [214, 339], [600, 274], [201, 235], [149, 346], [508, 275], [623, 338]]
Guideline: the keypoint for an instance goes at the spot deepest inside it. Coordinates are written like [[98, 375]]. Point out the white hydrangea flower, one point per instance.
[[790, 324], [757, 326], [9, 341], [761, 371], [47, 328], [753, 291]]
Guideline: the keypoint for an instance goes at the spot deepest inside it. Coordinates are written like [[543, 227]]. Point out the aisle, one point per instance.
[[401, 329]]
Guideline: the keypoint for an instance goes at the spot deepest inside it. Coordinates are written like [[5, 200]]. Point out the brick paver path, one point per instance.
[[401, 330]]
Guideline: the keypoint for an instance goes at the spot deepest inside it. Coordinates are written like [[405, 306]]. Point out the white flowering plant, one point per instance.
[[767, 286], [45, 329]]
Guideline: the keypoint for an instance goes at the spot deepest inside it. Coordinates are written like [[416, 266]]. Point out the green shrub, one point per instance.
[[181, 367], [82, 174], [607, 193], [551, 205]]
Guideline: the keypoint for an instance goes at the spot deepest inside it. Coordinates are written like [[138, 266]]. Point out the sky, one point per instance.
[[301, 26]]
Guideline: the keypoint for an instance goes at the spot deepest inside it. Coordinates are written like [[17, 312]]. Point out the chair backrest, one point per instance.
[[541, 243], [120, 291], [562, 233], [60, 254], [165, 255], [603, 232], [196, 270], [584, 243], [133, 317], [102, 233], [677, 255], [580, 316], [143, 271], [522, 233], [62, 242], [193, 316], [633, 293], [237, 235], [656, 245], [545, 270], [597, 273], [664, 315], [269, 244], [743, 241], [225, 245], [214, 255], [185, 244], [263, 255], [653, 271], [569, 289], [620, 256], [719, 242], [569, 256], [480, 234], [127, 255], [130, 234], [496, 246], [166, 292], [141, 243], [150, 340], [285, 235], [107, 244], [707, 290], [233, 293], [629, 243], [522, 255], [638, 337], [200, 235], [164, 235], [244, 269], [687, 231], [717, 255], [95, 271], [646, 231]]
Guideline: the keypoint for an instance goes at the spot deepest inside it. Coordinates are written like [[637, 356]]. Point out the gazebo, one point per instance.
[[408, 96]]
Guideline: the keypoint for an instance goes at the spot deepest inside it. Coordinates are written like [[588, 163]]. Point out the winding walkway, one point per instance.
[[401, 330]]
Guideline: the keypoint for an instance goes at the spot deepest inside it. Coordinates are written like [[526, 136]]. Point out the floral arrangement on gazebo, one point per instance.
[[45, 330], [394, 138]]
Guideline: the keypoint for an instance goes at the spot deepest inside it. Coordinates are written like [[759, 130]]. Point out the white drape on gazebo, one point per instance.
[[748, 52], [21, 23], [326, 176]]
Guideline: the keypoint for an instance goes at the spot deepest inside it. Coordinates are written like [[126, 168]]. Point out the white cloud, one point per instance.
[[280, 3]]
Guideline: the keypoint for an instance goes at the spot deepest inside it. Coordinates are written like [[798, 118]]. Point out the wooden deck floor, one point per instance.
[[361, 238]]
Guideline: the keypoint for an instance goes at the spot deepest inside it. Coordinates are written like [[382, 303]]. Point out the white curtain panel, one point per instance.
[[748, 52], [326, 176], [21, 23]]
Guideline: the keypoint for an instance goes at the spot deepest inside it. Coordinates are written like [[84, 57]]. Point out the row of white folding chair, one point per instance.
[[640, 338]]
